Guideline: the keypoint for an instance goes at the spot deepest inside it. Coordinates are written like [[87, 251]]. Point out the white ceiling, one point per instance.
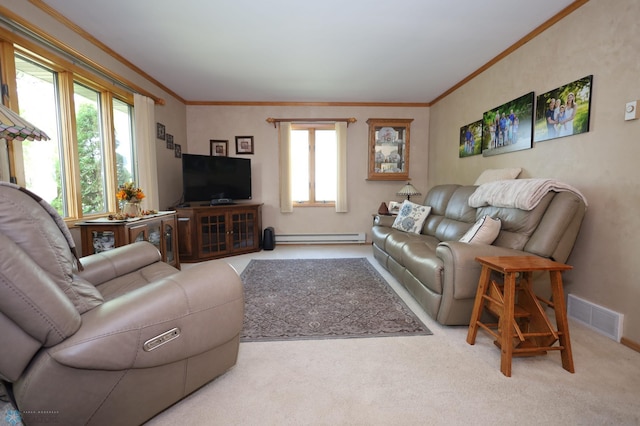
[[303, 51]]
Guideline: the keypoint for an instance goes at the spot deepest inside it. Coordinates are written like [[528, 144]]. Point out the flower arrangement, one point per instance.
[[130, 193]]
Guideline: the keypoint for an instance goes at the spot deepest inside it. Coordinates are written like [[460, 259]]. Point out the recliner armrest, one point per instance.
[[383, 220], [456, 252], [105, 266], [204, 302], [462, 270]]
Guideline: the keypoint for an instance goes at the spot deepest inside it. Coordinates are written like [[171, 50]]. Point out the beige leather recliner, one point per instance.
[[115, 343]]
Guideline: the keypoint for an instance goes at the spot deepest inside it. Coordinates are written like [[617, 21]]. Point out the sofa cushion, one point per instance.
[[562, 217], [24, 221], [517, 225], [437, 198], [459, 217], [397, 240], [484, 231], [379, 235], [411, 217], [420, 259], [30, 299]]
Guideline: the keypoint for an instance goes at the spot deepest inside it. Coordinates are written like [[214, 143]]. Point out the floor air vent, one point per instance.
[[602, 320]]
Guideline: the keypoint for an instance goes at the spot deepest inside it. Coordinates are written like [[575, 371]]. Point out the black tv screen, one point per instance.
[[210, 178]]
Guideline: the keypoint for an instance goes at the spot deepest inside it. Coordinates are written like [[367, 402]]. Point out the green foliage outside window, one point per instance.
[[91, 160]]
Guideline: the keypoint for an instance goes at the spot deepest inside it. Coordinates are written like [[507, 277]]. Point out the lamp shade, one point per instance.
[[408, 190], [14, 127]]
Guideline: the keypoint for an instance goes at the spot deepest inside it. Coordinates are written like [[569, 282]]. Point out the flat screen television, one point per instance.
[[214, 179]]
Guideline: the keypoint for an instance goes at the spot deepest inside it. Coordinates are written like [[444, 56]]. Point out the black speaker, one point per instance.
[[269, 239]]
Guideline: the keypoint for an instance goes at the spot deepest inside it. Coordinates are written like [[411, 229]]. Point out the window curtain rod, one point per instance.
[[275, 121]]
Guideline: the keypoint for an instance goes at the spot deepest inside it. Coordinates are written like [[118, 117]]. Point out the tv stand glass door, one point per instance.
[[209, 232], [213, 233]]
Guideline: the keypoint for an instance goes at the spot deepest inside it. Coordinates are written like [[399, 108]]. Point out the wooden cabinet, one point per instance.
[[211, 232], [160, 229]]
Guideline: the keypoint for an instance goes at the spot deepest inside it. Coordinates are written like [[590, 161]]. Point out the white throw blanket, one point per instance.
[[523, 194]]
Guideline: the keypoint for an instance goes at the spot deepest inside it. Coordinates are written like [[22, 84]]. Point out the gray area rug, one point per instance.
[[322, 299]]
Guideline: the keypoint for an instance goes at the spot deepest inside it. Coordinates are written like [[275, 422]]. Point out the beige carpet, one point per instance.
[[419, 380]]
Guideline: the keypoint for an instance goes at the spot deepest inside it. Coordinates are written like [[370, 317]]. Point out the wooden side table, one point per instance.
[[160, 229], [523, 328]]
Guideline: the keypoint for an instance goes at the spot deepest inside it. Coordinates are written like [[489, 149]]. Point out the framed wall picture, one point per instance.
[[169, 141], [508, 127], [564, 111], [160, 131], [470, 139], [244, 144], [218, 148], [177, 150]]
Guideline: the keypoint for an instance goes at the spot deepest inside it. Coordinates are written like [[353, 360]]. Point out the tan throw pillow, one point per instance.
[[492, 175], [411, 217], [484, 231]]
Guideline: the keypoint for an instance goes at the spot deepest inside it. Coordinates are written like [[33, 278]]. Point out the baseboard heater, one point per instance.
[[351, 238]]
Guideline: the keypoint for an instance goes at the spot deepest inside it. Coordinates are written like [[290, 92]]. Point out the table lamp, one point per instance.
[[408, 190], [13, 127]]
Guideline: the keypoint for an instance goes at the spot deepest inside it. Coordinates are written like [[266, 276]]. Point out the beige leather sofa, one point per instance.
[[441, 273], [115, 343]]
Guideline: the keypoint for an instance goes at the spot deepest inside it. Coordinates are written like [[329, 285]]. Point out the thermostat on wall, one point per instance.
[[631, 110]]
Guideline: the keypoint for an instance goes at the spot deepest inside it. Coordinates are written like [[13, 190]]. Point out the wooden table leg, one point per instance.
[[478, 305], [506, 333], [561, 321]]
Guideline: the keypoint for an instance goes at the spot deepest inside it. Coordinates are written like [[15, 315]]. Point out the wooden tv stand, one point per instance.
[[211, 232]]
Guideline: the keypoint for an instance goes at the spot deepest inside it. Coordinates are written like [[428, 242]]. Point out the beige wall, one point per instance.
[[173, 116], [600, 39], [227, 122]]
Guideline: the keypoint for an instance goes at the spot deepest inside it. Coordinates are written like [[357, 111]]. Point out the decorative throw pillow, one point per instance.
[[411, 217], [492, 175], [484, 231]]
